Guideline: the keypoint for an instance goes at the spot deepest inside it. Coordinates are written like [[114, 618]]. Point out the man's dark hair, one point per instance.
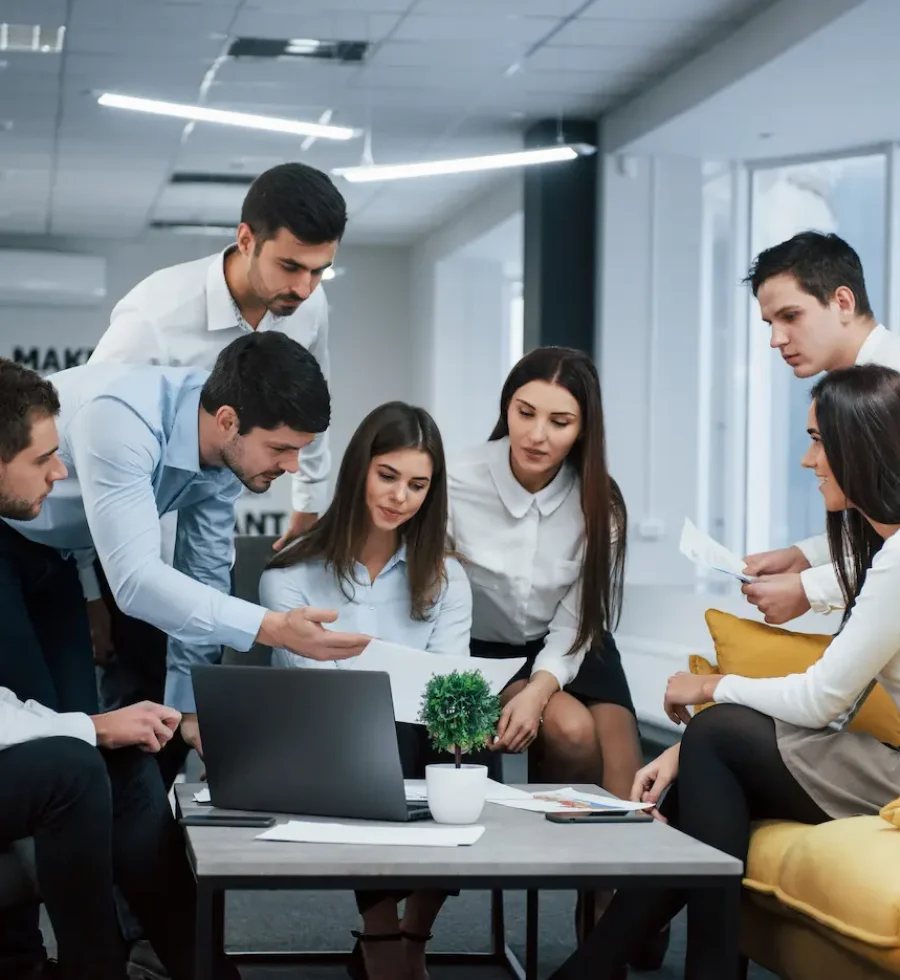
[[270, 381], [24, 396], [299, 198], [820, 264]]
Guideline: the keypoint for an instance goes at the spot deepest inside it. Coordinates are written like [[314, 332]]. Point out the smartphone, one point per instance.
[[601, 816], [225, 820]]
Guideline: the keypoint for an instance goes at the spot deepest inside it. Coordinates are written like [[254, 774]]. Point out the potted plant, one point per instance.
[[460, 714]]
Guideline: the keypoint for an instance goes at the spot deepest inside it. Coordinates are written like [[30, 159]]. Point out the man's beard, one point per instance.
[[17, 509], [230, 459]]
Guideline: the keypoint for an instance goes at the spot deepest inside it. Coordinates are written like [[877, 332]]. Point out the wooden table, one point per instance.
[[519, 851]]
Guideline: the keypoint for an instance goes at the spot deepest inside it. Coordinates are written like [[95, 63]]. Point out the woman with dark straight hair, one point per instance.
[[541, 527], [778, 748], [378, 557]]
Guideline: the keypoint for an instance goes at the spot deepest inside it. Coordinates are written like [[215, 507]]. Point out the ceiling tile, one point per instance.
[[452, 28]]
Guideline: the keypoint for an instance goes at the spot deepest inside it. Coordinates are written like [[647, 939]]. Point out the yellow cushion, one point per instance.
[[757, 650], [891, 812], [841, 874]]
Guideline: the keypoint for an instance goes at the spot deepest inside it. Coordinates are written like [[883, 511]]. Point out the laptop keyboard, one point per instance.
[[417, 811]]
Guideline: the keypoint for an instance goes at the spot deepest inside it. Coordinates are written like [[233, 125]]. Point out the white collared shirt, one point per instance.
[[821, 582], [522, 552], [185, 315], [25, 721]]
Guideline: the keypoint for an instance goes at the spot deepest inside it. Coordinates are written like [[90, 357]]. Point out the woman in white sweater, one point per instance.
[[778, 748]]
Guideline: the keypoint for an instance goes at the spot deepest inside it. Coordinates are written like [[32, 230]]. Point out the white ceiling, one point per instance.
[[435, 84], [834, 90]]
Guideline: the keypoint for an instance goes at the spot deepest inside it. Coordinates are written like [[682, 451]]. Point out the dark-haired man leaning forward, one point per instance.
[[292, 221], [139, 442], [812, 293]]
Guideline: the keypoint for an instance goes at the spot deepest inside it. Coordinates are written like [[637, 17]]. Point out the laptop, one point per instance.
[[312, 742]]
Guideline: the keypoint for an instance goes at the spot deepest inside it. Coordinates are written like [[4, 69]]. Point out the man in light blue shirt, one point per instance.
[[141, 441]]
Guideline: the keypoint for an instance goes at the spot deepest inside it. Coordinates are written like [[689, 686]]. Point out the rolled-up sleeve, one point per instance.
[[309, 485], [28, 721], [115, 454]]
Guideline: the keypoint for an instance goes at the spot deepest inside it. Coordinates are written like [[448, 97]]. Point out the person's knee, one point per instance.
[[75, 768], [716, 728], [569, 732]]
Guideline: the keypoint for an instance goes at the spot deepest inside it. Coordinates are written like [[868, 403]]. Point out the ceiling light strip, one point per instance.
[[226, 117], [464, 165]]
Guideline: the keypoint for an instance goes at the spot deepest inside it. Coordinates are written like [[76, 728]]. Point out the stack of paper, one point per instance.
[[308, 832], [569, 799], [703, 550]]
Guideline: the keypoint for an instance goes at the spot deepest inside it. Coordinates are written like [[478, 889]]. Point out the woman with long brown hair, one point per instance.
[[541, 527], [378, 557], [778, 748]]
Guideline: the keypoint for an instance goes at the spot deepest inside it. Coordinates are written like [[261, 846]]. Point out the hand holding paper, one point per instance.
[[703, 550]]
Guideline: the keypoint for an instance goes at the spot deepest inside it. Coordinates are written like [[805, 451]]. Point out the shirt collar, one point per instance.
[[183, 444], [395, 559], [869, 350], [222, 313], [516, 499]]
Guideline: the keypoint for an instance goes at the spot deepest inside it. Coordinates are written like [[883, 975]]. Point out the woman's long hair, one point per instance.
[[338, 537], [858, 416], [605, 516]]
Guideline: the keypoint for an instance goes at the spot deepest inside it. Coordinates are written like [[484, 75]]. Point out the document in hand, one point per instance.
[[310, 832], [410, 670], [703, 550], [568, 799]]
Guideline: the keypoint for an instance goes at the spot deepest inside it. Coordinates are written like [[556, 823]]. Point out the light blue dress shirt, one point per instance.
[[129, 437], [379, 609]]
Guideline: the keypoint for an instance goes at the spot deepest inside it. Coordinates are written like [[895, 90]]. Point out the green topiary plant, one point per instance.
[[460, 712]]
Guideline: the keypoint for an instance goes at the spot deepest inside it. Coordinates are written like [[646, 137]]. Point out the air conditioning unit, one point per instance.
[[32, 278]]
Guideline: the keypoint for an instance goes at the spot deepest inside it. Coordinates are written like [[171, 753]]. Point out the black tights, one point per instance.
[[730, 774]]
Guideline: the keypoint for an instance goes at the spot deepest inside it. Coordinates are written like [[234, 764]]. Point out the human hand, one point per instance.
[[298, 524], [520, 720], [656, 777], [302, 632], [778, 562], [149, 726], [780, 598], [686, 689], [190, 732], [101, 631]]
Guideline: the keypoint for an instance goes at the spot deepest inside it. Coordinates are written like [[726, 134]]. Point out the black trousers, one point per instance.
[[99, 817], [730, 774]]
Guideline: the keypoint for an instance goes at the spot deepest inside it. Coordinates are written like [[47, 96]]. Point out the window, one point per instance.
[[845, 196]]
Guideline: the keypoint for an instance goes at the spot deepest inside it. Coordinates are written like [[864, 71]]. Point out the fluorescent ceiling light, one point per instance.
[[225, 117], [465, 165]]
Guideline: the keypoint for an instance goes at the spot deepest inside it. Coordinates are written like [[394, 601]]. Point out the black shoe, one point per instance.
[[652, 953]]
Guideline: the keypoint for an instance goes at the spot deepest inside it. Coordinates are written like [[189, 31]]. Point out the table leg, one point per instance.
[[531, 935], [209, 941]]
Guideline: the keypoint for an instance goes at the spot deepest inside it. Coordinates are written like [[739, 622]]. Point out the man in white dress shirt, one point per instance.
[[79, 804], [812, 292], [292, 221]]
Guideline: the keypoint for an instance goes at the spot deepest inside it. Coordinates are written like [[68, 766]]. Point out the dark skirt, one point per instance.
[[600, 679]]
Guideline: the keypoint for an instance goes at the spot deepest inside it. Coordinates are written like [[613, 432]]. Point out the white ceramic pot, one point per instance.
[[455, 795]]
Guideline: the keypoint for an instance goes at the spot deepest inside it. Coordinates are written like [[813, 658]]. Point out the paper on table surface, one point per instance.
[[410, 670], [202, 796], [703, 550], [568, 799], [307, 832], [415, 790]]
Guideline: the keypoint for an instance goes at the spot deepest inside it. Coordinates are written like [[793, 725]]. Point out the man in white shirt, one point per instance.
[[292, 221], [89, 811], [812, 292]]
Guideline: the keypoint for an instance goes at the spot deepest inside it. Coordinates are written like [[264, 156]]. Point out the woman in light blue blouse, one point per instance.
[[378, 557]]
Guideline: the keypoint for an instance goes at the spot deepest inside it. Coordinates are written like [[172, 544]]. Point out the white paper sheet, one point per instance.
[[410, 670], [415, 790], [307, 832], [703, 550], [202, 796], [568, 800]]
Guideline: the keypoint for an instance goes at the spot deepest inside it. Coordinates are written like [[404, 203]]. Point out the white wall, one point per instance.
[[372, 349]]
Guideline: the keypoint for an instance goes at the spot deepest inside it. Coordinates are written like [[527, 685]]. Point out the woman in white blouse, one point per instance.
[[541, 526], [778, 748], [378, 557]]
